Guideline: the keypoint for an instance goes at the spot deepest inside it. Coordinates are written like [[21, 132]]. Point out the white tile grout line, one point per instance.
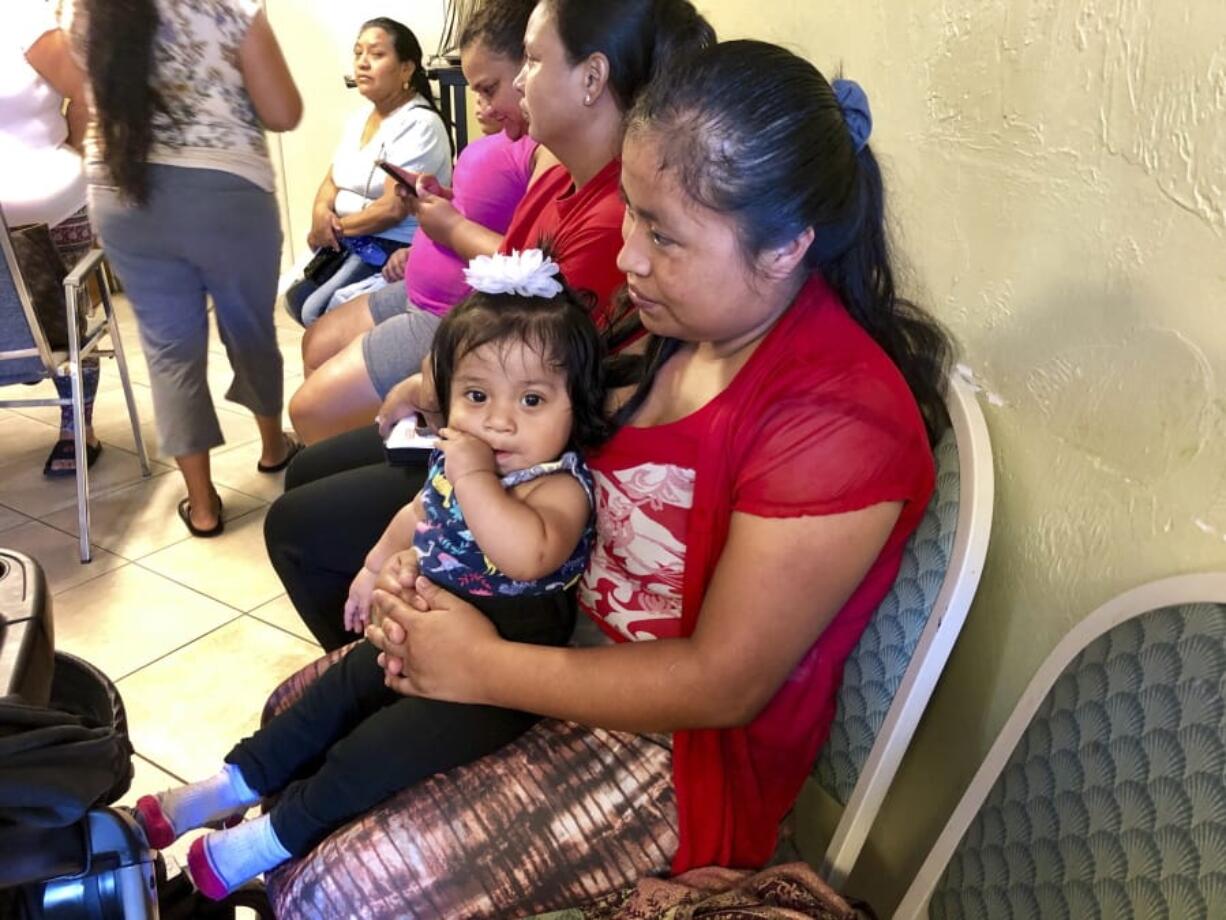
[[24, 518], [177, 648], [138, 563], [126, 561], [130, 559], [153, 763], [288, 632], [96, 491], [205, 635], [260, 503]]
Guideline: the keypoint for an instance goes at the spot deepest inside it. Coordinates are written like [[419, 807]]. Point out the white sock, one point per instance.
[[244, 851], [197, 804]]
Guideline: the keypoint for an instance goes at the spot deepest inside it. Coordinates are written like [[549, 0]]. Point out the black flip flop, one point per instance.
[[65, 449], [185, 515], [292, 447]]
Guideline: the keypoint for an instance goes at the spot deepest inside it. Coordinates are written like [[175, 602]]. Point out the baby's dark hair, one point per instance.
[[558, 328]]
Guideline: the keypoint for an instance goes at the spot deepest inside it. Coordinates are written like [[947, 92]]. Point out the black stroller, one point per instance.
[[64, 757]]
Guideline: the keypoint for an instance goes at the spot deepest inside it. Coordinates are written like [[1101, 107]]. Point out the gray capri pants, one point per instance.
[[400, 341], [202, 233]]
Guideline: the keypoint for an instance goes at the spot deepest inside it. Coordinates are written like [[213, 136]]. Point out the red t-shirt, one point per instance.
[[819, 421], [644, 492], [582, 226]]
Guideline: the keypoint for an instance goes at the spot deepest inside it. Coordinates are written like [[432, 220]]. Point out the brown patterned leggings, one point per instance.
[[560, 816]]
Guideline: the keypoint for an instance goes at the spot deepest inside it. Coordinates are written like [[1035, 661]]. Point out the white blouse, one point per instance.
[[413, 137], [40, 175]]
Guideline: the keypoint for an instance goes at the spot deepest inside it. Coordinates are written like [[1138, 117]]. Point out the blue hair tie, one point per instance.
[[854, 102]]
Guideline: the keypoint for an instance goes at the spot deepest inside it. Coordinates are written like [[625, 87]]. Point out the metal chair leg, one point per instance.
[[78, 420]]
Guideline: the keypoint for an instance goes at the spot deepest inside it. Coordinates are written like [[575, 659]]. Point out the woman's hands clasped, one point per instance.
[[396, 576], [325, 230], [431, 643]]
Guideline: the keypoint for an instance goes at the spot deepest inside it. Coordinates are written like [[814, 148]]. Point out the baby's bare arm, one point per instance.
[[529, 531], [397, 536]]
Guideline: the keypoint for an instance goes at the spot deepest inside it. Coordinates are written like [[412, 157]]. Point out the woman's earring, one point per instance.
[[587, 100], [407, 84]]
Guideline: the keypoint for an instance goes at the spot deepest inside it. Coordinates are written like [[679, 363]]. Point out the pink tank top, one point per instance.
[[490, 178]]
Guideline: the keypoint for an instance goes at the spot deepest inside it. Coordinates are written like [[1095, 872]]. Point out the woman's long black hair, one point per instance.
[[121, 40], [408, 48], [639, 37], [754, 131]]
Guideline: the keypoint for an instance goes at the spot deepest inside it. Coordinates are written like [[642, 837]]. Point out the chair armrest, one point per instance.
[[91, 263]]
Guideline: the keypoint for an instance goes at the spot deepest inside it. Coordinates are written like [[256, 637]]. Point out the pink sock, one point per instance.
[[170, 814], [224, 860]]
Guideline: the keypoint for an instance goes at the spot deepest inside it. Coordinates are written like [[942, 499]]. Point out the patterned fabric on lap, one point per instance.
[[525, 830]]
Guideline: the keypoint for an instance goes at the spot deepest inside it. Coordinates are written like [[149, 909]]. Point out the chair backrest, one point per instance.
[[24, 352], [1105, 793], [891, 673]]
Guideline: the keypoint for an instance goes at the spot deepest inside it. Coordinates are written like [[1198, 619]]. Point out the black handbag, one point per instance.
[[325, 264], [43, 269], [318, 271]]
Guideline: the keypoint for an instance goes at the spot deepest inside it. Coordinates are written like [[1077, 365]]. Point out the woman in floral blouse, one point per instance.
[[181, 192]]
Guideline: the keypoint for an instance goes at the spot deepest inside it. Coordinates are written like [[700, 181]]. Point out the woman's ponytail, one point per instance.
[[121, 69], [863, 276], [638, 37], [421, 85], [757, 133]]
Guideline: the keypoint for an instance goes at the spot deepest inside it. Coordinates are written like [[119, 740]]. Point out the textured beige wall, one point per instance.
[[1058, 170]]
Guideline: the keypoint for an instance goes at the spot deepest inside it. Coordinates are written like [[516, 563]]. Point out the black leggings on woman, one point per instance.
[[340, 495], [350, 742]]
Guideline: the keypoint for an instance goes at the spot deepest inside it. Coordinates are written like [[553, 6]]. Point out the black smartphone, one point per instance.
[[404, 177]]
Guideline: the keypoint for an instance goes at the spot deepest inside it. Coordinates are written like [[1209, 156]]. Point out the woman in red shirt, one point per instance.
[[752, 508], [598, 55], [585, 63]]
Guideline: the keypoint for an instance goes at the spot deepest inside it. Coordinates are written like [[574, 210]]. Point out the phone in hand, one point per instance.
[[407, 439], [404, 177]]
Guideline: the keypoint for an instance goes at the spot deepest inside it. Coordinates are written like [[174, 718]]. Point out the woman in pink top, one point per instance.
[[358, 351]]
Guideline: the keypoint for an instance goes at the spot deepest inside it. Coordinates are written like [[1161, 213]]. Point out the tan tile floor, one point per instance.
[[172, 619]]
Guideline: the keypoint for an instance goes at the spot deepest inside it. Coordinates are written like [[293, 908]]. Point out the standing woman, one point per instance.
[[357, 199], [181, 192]]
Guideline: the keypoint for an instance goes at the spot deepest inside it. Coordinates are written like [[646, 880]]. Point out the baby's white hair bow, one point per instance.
[[528, 274]]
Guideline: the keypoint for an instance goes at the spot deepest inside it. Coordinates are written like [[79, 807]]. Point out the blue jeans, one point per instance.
[[307, 302], [202, 233]]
